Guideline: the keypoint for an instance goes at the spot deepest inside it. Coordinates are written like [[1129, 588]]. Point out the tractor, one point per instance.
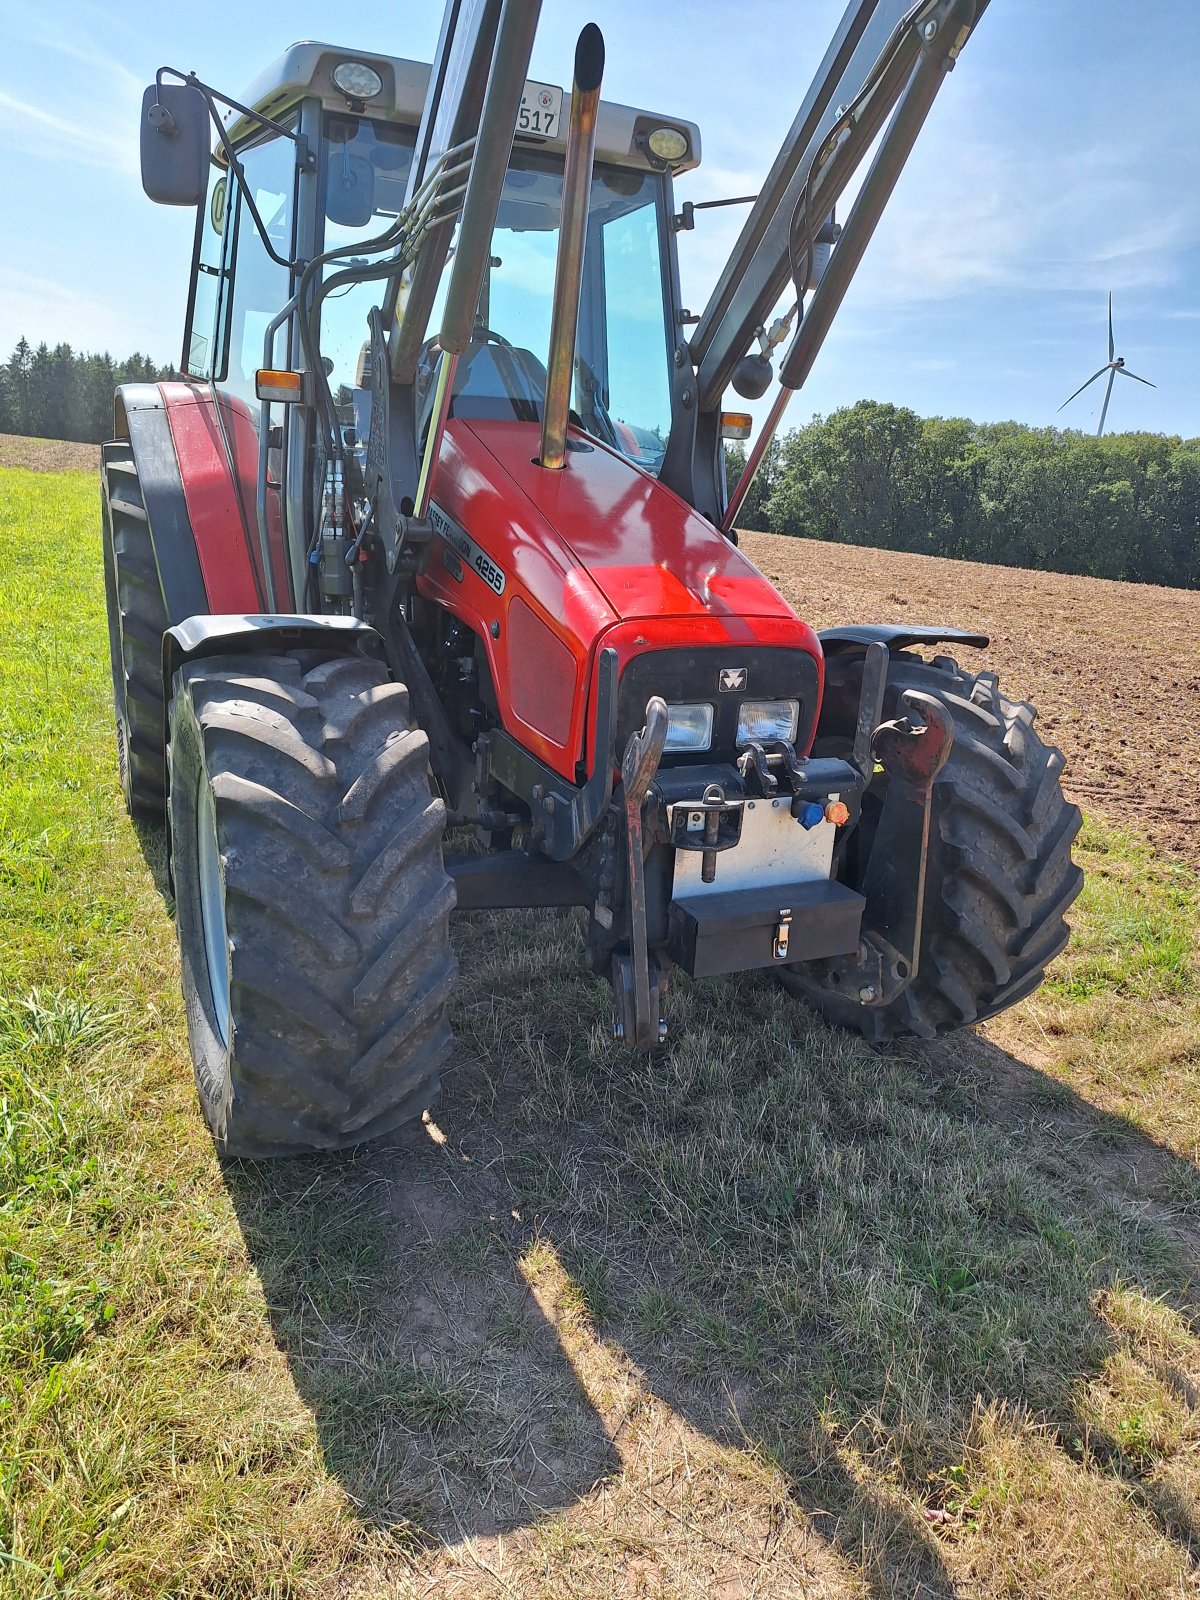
[[431, 545]]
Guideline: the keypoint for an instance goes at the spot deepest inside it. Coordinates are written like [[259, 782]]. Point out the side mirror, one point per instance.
[[349, 190], [175, 144]]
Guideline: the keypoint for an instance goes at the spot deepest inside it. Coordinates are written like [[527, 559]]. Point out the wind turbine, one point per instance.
[[1112, 367]]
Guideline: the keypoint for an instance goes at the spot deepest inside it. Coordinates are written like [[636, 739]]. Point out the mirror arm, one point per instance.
[[685, 221], [304, 154], [211, 94]]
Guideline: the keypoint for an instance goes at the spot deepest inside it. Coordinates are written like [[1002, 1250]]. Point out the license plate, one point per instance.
[[541, 111]]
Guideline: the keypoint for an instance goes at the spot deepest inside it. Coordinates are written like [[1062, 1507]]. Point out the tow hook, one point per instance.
[[711, 824], [760, 755], [638, 992]]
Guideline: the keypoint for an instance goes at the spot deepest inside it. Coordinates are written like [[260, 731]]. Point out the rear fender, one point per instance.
[[195, 451], [141, 418]]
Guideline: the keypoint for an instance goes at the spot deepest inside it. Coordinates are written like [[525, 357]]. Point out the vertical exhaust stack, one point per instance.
[[568, 272]]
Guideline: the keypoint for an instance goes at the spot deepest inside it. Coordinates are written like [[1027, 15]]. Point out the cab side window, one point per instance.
[[260, 286], [203, 355]]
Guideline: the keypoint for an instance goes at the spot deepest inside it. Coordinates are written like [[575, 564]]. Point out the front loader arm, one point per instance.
[[887, 60]]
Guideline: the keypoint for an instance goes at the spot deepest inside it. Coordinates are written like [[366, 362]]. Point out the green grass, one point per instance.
[[1120, 1014], [771, 1309], [1137, 937]]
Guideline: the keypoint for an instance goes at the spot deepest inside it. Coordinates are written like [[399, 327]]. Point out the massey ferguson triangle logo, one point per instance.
[[731, 678]]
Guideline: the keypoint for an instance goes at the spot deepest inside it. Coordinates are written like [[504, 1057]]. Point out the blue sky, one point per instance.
[[1062, 160]]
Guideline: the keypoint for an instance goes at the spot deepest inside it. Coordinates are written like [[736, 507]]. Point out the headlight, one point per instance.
[[766, 719], [689, 727]]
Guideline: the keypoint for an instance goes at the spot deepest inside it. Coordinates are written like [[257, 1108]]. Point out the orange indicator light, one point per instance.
[[286, 387]]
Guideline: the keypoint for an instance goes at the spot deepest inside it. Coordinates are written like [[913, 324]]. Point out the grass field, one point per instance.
[[771, 1314]]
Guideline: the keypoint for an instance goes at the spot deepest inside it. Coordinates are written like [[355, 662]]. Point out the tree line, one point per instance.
[[1124, 506], [60, 393]]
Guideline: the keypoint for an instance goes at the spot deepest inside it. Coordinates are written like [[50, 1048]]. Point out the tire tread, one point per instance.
[[1001, 877], [337, 907], [137, 622]]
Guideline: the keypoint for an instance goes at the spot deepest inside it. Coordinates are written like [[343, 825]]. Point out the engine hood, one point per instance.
[[646, 551], [549, 568]]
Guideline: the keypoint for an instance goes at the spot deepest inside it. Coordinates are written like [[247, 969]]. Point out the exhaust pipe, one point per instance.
[[572, 229]]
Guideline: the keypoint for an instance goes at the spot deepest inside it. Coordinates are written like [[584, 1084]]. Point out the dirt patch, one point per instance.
[[48, 455], [1114, 668]]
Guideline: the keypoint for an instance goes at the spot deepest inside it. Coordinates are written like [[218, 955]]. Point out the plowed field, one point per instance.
[[1114, 668], [48, 455]]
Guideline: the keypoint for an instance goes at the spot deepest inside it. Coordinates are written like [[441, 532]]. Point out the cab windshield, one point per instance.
[[622, 378]]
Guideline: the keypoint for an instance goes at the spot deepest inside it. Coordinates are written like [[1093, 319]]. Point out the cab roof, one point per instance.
[[306, 68]]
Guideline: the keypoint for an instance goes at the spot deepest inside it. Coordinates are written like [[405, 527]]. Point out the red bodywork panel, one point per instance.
[[598, 554], [218, 464]]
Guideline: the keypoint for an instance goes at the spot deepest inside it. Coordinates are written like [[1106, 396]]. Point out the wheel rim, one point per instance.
[[212, 907]]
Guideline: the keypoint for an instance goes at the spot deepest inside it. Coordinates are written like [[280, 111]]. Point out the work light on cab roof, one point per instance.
[[357, 81], [435, 534]]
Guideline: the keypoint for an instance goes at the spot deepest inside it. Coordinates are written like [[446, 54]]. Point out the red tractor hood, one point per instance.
[[647, 552], [548, 568]]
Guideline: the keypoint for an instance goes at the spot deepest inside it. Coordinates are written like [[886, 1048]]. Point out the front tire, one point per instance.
[[1000, 876], [312, 901]]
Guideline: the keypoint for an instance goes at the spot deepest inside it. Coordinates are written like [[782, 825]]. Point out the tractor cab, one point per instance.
[[333, 175]]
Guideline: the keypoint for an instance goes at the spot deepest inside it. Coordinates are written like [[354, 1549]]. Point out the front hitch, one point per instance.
[[638, 991]]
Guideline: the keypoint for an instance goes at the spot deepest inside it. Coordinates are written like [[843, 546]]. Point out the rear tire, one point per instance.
[[312, 902], [1000, 875], [137, 620]]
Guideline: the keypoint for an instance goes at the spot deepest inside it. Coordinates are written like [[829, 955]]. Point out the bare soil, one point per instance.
[[1113, 668], [48, 455]]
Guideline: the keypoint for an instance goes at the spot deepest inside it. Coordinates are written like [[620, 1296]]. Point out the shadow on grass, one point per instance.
[[832, 1260], [152, 842]]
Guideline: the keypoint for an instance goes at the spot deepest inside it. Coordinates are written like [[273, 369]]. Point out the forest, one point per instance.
[[62, 394], [1124, 506]]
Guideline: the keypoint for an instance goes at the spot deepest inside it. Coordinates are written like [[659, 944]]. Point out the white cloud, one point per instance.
[[995, 218], [41, 133], [82, 49], [92, 119]]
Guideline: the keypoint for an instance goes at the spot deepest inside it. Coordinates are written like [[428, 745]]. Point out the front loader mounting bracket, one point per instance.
[[912, 750], [912, 753], [637, 989]]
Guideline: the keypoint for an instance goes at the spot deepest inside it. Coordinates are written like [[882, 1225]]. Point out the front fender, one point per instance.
[[896, 636], [845, 659], [204, 635]]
